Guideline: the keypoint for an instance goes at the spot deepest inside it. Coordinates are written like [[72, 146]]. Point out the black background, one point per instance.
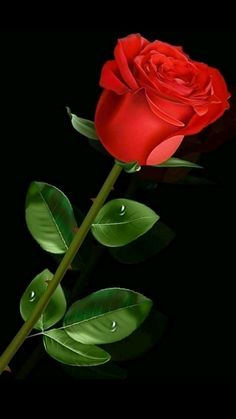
[[193, 281]]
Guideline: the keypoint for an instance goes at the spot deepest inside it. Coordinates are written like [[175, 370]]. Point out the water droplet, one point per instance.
[[122, 210], [138, 168], [32, 296], [114, 326]]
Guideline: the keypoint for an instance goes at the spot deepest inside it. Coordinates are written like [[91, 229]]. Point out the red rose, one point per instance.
[[154, 95]]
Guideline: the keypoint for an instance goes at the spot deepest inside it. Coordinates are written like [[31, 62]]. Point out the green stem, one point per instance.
[[62, 268]]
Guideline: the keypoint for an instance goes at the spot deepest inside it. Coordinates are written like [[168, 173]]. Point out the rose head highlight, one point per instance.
[[154, 95]]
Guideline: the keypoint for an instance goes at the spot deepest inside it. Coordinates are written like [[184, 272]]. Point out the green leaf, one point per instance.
[[141, 341], [106, 316], [49, 217], [151, 243], [121, 221], [64, 349], [56, 308], [174, 162], [131, 167], [83, 126]]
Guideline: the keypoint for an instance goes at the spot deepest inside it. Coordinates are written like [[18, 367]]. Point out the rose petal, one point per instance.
[[110, 78], [165, 49], [165, 150], [197, 123], [201, 109], [125, 51], [220, 88], [139, 73], [158, 108], [127, 128], [132, 45]]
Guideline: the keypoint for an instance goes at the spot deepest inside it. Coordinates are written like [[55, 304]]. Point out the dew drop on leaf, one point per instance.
[[122, 210], [114, 326], [32, 296]]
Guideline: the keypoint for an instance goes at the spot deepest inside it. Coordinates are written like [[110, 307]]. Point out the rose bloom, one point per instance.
[[154, 95]]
